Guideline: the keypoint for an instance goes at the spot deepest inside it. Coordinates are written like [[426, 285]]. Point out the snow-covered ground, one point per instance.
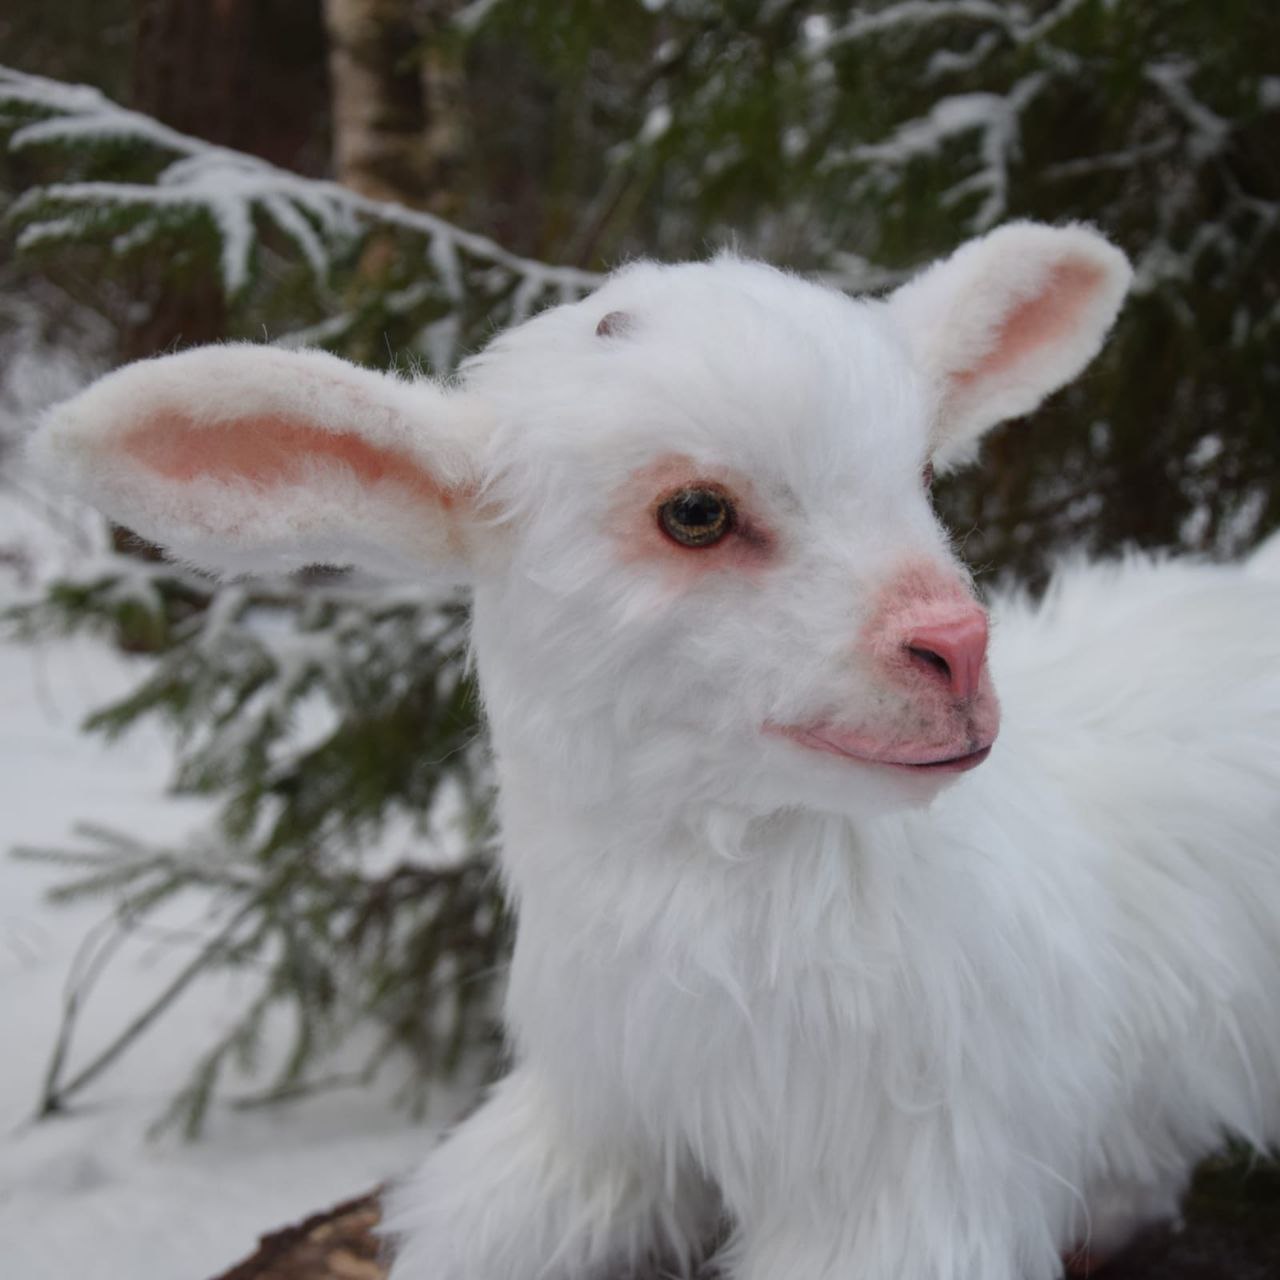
[[90, 1196]]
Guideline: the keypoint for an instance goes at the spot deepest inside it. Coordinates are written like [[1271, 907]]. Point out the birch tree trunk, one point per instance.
[[396, 98]]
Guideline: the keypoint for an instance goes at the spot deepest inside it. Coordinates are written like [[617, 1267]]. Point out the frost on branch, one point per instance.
[[992, 117], [979, 127], [255, 211]]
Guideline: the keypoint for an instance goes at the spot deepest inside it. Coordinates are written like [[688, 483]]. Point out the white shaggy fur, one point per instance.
[[851, 1021]]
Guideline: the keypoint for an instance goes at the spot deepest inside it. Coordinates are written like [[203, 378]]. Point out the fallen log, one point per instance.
[[339, 1244], [1231, 1232]]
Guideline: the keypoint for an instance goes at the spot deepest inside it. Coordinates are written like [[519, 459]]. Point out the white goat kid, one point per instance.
[[772, 972]]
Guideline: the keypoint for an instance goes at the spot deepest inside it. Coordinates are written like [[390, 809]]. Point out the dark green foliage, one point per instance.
[[80, 41]]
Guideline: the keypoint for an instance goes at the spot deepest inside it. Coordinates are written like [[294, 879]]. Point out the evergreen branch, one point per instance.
[[303, 1089], [87, 965], [230, 189], [57, 1093], [911, 13], [1011, 20], [993, 117]]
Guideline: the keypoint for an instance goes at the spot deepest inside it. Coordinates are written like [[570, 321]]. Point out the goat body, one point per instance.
[[795, 959]]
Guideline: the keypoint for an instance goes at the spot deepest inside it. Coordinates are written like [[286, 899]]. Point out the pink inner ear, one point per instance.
[[270, 452], [1039, 321]]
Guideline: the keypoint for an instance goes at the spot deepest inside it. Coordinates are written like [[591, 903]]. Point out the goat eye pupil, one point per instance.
[[697, 510], [696, 517]]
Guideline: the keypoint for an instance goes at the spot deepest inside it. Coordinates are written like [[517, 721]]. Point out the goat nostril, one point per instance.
[[935, 661], [950, 650]]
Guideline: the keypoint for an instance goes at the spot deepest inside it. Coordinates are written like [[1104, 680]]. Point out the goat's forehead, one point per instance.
[[738, 317], [727, 361]]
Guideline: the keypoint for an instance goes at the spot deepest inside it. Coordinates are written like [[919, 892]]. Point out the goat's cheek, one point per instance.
[[683, 568]]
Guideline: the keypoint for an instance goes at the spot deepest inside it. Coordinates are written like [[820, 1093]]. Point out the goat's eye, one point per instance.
[[698, 516], [926, 476]]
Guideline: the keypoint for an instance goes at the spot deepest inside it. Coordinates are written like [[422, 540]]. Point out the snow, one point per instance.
[[1012, 20], [474, 15], [91, 1193], [37, 369], [908, 13], [944, 62], [1209, 131], [656, 124]]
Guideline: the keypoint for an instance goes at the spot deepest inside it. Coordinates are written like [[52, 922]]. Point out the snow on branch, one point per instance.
[[993, 117], [911, 13], [474, 15], [238, 195], [1184, 242], [1012, 19], [1208, 130]]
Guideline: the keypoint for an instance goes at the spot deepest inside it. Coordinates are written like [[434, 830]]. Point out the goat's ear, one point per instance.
[[240, 458], [1008, 319]]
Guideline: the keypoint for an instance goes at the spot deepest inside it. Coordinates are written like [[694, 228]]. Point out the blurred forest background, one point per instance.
[[394, 179]]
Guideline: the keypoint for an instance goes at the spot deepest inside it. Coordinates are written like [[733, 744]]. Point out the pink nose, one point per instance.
[[952, 650]]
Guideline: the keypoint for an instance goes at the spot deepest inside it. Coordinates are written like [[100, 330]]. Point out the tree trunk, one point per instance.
[[246, 74], [397, 99]]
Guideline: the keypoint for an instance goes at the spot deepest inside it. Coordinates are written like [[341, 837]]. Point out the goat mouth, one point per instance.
[[863, 751], [951, 764]]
